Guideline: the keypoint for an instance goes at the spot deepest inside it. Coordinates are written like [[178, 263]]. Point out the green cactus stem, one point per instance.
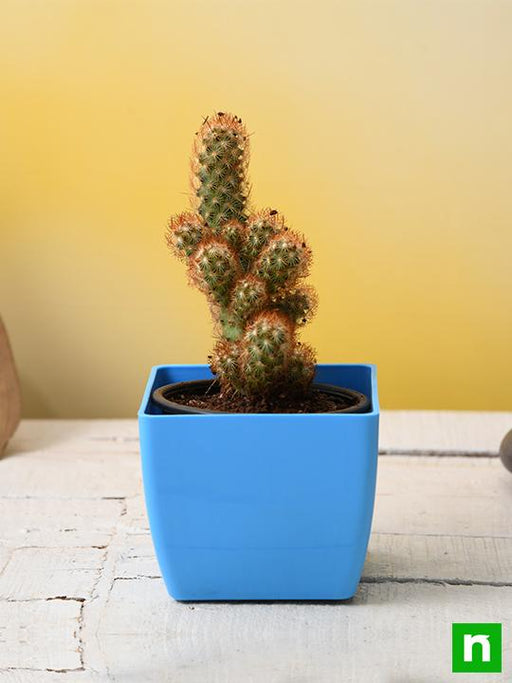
[[214, 268], [260, 228], [219, 166], [184, 234], [299, 304], [251, 267], [249, 297], [266, 347]]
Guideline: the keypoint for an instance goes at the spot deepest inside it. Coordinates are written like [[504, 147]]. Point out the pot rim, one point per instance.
[[169, 407]]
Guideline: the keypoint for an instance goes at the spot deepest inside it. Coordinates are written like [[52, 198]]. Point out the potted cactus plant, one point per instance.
[[259, 468]]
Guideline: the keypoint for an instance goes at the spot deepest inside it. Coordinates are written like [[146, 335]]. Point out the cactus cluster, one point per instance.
[[251, 267]]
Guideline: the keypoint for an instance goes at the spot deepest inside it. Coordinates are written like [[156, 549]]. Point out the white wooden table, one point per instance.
[[81, 598]]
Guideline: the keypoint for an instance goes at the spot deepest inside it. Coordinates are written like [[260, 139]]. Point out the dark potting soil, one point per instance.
[[314, 402]]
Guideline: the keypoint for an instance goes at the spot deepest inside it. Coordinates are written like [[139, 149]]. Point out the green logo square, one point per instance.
[[476, 648]]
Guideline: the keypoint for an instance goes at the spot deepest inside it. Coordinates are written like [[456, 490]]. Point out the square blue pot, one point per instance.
[[260, 506]]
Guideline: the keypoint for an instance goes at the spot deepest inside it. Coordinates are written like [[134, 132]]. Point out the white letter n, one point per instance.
[[470, 640]]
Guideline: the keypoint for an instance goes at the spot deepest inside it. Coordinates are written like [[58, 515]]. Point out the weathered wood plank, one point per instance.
[[5, 553], [390, 556], [40, 676], [23, 519], [70, 475], [389, 632], [33, 573], [137, 558], [59, 538], [76, 436], [405, 431], [450, 496], [455, 559], [40, 634], [431, 431], [432, 482], [437, 519], [136, 517], [417, 495]]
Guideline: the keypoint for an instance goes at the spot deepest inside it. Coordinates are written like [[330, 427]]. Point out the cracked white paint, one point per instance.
[[33, 573], [40, 634], [81, 598]]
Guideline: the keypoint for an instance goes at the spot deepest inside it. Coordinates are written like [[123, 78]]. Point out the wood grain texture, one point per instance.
[[86, 479], [391, 556], [443, 432], [45, 573], [454, 496], [81, 597], [10, 394], [388, 632], [401, 431], [446, 559], [40, 634], [40, 676]]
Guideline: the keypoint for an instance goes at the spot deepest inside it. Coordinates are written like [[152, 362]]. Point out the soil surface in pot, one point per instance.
[[314, 402]]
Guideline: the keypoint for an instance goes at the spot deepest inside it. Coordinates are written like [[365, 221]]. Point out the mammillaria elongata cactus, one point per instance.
[[249, 265]]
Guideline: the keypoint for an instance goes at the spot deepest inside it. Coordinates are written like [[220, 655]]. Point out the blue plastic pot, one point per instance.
[[260, 506]]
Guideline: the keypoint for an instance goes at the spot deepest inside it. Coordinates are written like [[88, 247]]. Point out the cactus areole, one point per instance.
[[251, 266]]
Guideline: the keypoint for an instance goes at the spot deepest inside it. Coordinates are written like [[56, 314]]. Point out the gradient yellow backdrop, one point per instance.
[[381, 129]]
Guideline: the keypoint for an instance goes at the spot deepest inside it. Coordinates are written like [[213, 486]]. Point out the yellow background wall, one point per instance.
[[381, 129]]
